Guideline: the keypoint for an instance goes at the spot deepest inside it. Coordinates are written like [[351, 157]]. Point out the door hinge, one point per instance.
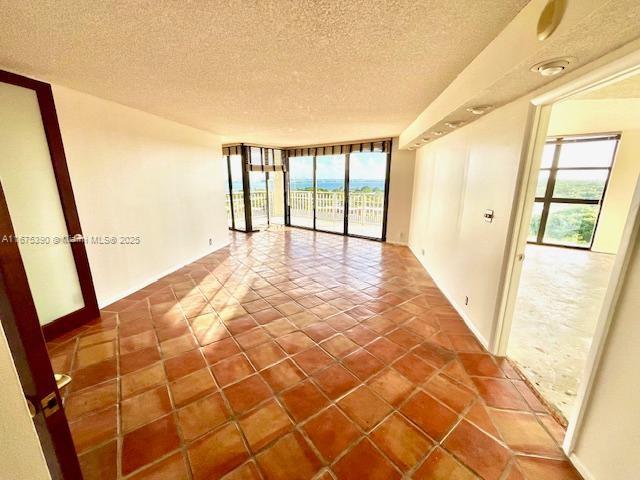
[[50, 404]]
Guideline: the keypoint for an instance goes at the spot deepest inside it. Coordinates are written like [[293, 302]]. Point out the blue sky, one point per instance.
[[365, 166]]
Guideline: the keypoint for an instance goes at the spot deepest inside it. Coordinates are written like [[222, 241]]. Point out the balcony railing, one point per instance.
[[365, 208]]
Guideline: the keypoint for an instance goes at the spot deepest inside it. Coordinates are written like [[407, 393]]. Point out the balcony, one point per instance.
[[366, 210]]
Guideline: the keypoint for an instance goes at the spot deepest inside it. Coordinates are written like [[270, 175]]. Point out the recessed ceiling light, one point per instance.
[[437, 133], [416, 144], [426, 139], [454, 124], [479, 109], [550, 68]]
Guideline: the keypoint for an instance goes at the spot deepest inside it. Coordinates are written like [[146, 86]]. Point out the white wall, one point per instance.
[[457, 177], [21, 456], [603, 116], [136, 174], [133, 174], [400, 194], [608, 443]]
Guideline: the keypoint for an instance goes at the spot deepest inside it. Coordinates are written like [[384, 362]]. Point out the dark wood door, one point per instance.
[[44, 125], [29, 352]]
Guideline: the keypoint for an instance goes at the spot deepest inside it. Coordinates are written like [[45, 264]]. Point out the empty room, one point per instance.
[[292, 240], [590, 169]]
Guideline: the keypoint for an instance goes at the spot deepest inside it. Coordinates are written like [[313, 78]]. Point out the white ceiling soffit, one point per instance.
[[627, 88], [501, 72], [284, 72]]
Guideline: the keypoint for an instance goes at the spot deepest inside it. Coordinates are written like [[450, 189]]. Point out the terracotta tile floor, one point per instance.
[[294, 355]]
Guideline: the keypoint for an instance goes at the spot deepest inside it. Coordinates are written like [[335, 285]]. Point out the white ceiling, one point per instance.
[[501, 73], [285, 72]]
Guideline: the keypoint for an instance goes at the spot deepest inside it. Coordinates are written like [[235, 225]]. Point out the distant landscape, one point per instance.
[[358, 185], [570, 224]]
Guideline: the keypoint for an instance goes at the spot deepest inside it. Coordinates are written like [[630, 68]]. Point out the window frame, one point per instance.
[[548, 199], [381, 146], [246, 151]]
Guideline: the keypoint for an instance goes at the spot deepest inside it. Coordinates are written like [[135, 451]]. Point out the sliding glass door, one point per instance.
[[330, 187], [236, 199], [275, 189], [367, 180], [259, 199], [255, 187], [340, 188], [301, 200]]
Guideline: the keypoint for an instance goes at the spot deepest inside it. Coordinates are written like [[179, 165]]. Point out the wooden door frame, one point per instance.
[[541, 105], [28, 349], [67, 200]]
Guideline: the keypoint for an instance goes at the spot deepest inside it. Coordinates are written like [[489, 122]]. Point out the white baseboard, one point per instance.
[[154, 278], [402, 244], [454, 304], [582, 470]]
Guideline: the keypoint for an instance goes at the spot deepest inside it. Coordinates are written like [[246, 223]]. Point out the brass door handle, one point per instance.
[[50, 402]]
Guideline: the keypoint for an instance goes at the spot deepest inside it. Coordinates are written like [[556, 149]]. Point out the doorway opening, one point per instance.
[[581, 202]]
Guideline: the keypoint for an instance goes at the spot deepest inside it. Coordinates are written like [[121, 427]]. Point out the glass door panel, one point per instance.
[[275, 184], [367, 175], [237, 191], [330, 193], [259, 200], [34, 205], [301, 191]]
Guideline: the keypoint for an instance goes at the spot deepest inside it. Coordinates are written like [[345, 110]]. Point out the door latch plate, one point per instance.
[[50, 404]]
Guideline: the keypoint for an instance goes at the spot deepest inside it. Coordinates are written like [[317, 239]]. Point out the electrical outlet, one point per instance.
[[466, 300]]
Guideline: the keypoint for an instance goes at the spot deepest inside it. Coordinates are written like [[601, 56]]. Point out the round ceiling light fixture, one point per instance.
[[550, 68], [454, 125], [479, 109]]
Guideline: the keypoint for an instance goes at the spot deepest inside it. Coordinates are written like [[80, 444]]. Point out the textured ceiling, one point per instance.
[[284, 72], [627, 88], [610, 25]]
